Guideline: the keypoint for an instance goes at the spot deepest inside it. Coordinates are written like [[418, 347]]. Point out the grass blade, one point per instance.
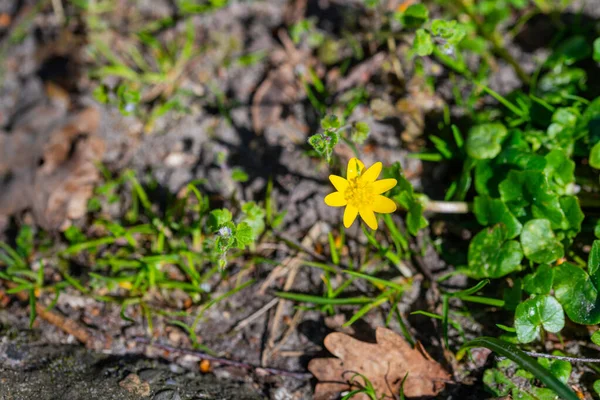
[[526, 362]]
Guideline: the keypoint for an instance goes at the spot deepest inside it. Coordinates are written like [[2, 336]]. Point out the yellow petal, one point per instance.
[[369, 217], [383, 185], [339, 183], [355, 167], [335, 199], [383, 205], [350, 215], [372, 173]]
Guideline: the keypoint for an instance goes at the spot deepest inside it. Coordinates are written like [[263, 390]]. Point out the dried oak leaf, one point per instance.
[[384, 363], [51, 169]]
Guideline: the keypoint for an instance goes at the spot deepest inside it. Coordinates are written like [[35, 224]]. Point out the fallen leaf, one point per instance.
[[48, 164], [384, 363]]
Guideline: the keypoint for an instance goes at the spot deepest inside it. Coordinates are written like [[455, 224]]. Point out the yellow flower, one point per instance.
[[361, 193]]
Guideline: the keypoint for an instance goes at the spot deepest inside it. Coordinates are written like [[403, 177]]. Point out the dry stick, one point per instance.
[[247, 321], [292, 327], [294, 266], [59, 11], [66, 325], [225, 361], [564, 358]]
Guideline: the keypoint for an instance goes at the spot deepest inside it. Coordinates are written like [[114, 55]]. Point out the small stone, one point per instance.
[[150, 375], [167, 394], [133, 384]]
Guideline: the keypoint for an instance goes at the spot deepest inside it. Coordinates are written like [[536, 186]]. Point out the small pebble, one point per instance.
[[167, 394]]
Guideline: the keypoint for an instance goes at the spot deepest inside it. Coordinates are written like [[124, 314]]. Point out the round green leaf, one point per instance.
[[530, 188], [597, 50], [485, 140], [578, 295], [415, 16], [597, 387], [595, 156], [596, 338], [561, 369], [577, 290], [490, 211], [533, 314], [539, 282], [539, 242], [491, 256]]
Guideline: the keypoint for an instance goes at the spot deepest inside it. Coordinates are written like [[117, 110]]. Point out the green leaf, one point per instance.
[[491, 255], [513, 353], [577, 290], [574, 215], [561, 369], [533, 314], [539, 243], [597, 387], [360, 132], [490, 211], [597, 50], [596, 338], [540, 281], [530, 188], [308, 298], [595, 156], [244, 236], [255, 217], [485, 141], [571, 50], [452, 31], [497, 382], [589, 123], [24, 241], [415, 221], [405, 196], [560, 171], [415, 16], [238, 175], [330, 122], [325, 142], [557, 83], [218, 218], [423, 44]]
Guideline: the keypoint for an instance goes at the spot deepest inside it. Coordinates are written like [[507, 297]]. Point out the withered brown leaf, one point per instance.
[[384, 363], [49, 165]]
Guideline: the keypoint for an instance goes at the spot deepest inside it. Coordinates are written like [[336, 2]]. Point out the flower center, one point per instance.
[[359, 194]]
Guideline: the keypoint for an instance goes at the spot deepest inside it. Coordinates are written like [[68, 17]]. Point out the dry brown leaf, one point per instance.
[[384, 363], [49, 165]]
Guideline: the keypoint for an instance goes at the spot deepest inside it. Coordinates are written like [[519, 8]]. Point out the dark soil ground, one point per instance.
[[45, 83]]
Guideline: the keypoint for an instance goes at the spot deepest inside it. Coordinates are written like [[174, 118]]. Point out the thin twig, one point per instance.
[[256, 315], [226, 361], [563, 358], [298, 246], [63, 323], [59, 11]]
